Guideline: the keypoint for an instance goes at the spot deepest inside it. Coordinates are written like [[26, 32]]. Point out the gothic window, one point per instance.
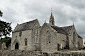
[[78, 45], [35, 34], [48, 36], [25, 42], [74, 37], [20, 33]]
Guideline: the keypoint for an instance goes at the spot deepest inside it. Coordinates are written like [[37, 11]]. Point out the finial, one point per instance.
[[73, 23], [45, 21], [17, 24], [51, 9]]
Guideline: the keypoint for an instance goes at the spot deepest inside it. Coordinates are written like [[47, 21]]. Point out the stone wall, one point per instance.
[[35, 53], [73, 38], [51, 40], [26, 39], [80, 43], [21, 40], [48, 39], [21, 53]]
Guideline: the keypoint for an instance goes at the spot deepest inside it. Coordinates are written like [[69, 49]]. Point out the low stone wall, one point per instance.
[[65, 54], [35, 53], [20, 53]]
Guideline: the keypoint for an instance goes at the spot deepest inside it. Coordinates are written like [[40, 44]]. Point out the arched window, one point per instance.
[[25, 42], [74, 37], [20, 33], [49, 36]]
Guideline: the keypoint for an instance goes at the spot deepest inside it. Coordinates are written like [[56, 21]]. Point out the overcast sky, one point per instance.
[[66, 12]]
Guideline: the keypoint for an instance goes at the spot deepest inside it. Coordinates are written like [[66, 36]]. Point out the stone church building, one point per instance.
[[46, 38]]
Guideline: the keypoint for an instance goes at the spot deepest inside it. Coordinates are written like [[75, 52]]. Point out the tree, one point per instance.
[[1, 13], [5, 28]]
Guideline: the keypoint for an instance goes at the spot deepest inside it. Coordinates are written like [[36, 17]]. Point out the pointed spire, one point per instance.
[[51, 21], [51, 12]]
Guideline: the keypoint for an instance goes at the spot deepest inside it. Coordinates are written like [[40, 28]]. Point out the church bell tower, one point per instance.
[[51, 21]]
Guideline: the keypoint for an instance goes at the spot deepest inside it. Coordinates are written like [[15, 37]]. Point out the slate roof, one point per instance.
[[63, 30], [25, 26], [79, 36], [67, 29], [59, 29]]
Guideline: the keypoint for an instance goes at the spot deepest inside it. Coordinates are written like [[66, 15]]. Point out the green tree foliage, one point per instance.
[[1, 13], [6, 40], [5, 28]]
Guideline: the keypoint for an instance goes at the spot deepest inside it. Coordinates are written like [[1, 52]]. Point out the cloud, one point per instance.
[[65, 12]]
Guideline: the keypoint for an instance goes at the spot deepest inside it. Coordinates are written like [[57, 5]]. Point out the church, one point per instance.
[[46, 38]]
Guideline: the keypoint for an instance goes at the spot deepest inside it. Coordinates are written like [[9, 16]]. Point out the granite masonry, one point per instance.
[[46, 38], [31, 39]]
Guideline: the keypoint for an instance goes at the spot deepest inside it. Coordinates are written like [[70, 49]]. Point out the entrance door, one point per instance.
[[16, 46], [58, 46]]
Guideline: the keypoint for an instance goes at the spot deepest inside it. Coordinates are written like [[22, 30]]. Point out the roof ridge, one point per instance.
[[25, 26], [28, 22], [67, 26]]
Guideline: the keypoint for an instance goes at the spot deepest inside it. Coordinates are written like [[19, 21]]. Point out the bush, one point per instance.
[[6, 40]]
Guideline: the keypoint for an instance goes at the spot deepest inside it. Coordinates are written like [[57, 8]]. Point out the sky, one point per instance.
[[65, 12]]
